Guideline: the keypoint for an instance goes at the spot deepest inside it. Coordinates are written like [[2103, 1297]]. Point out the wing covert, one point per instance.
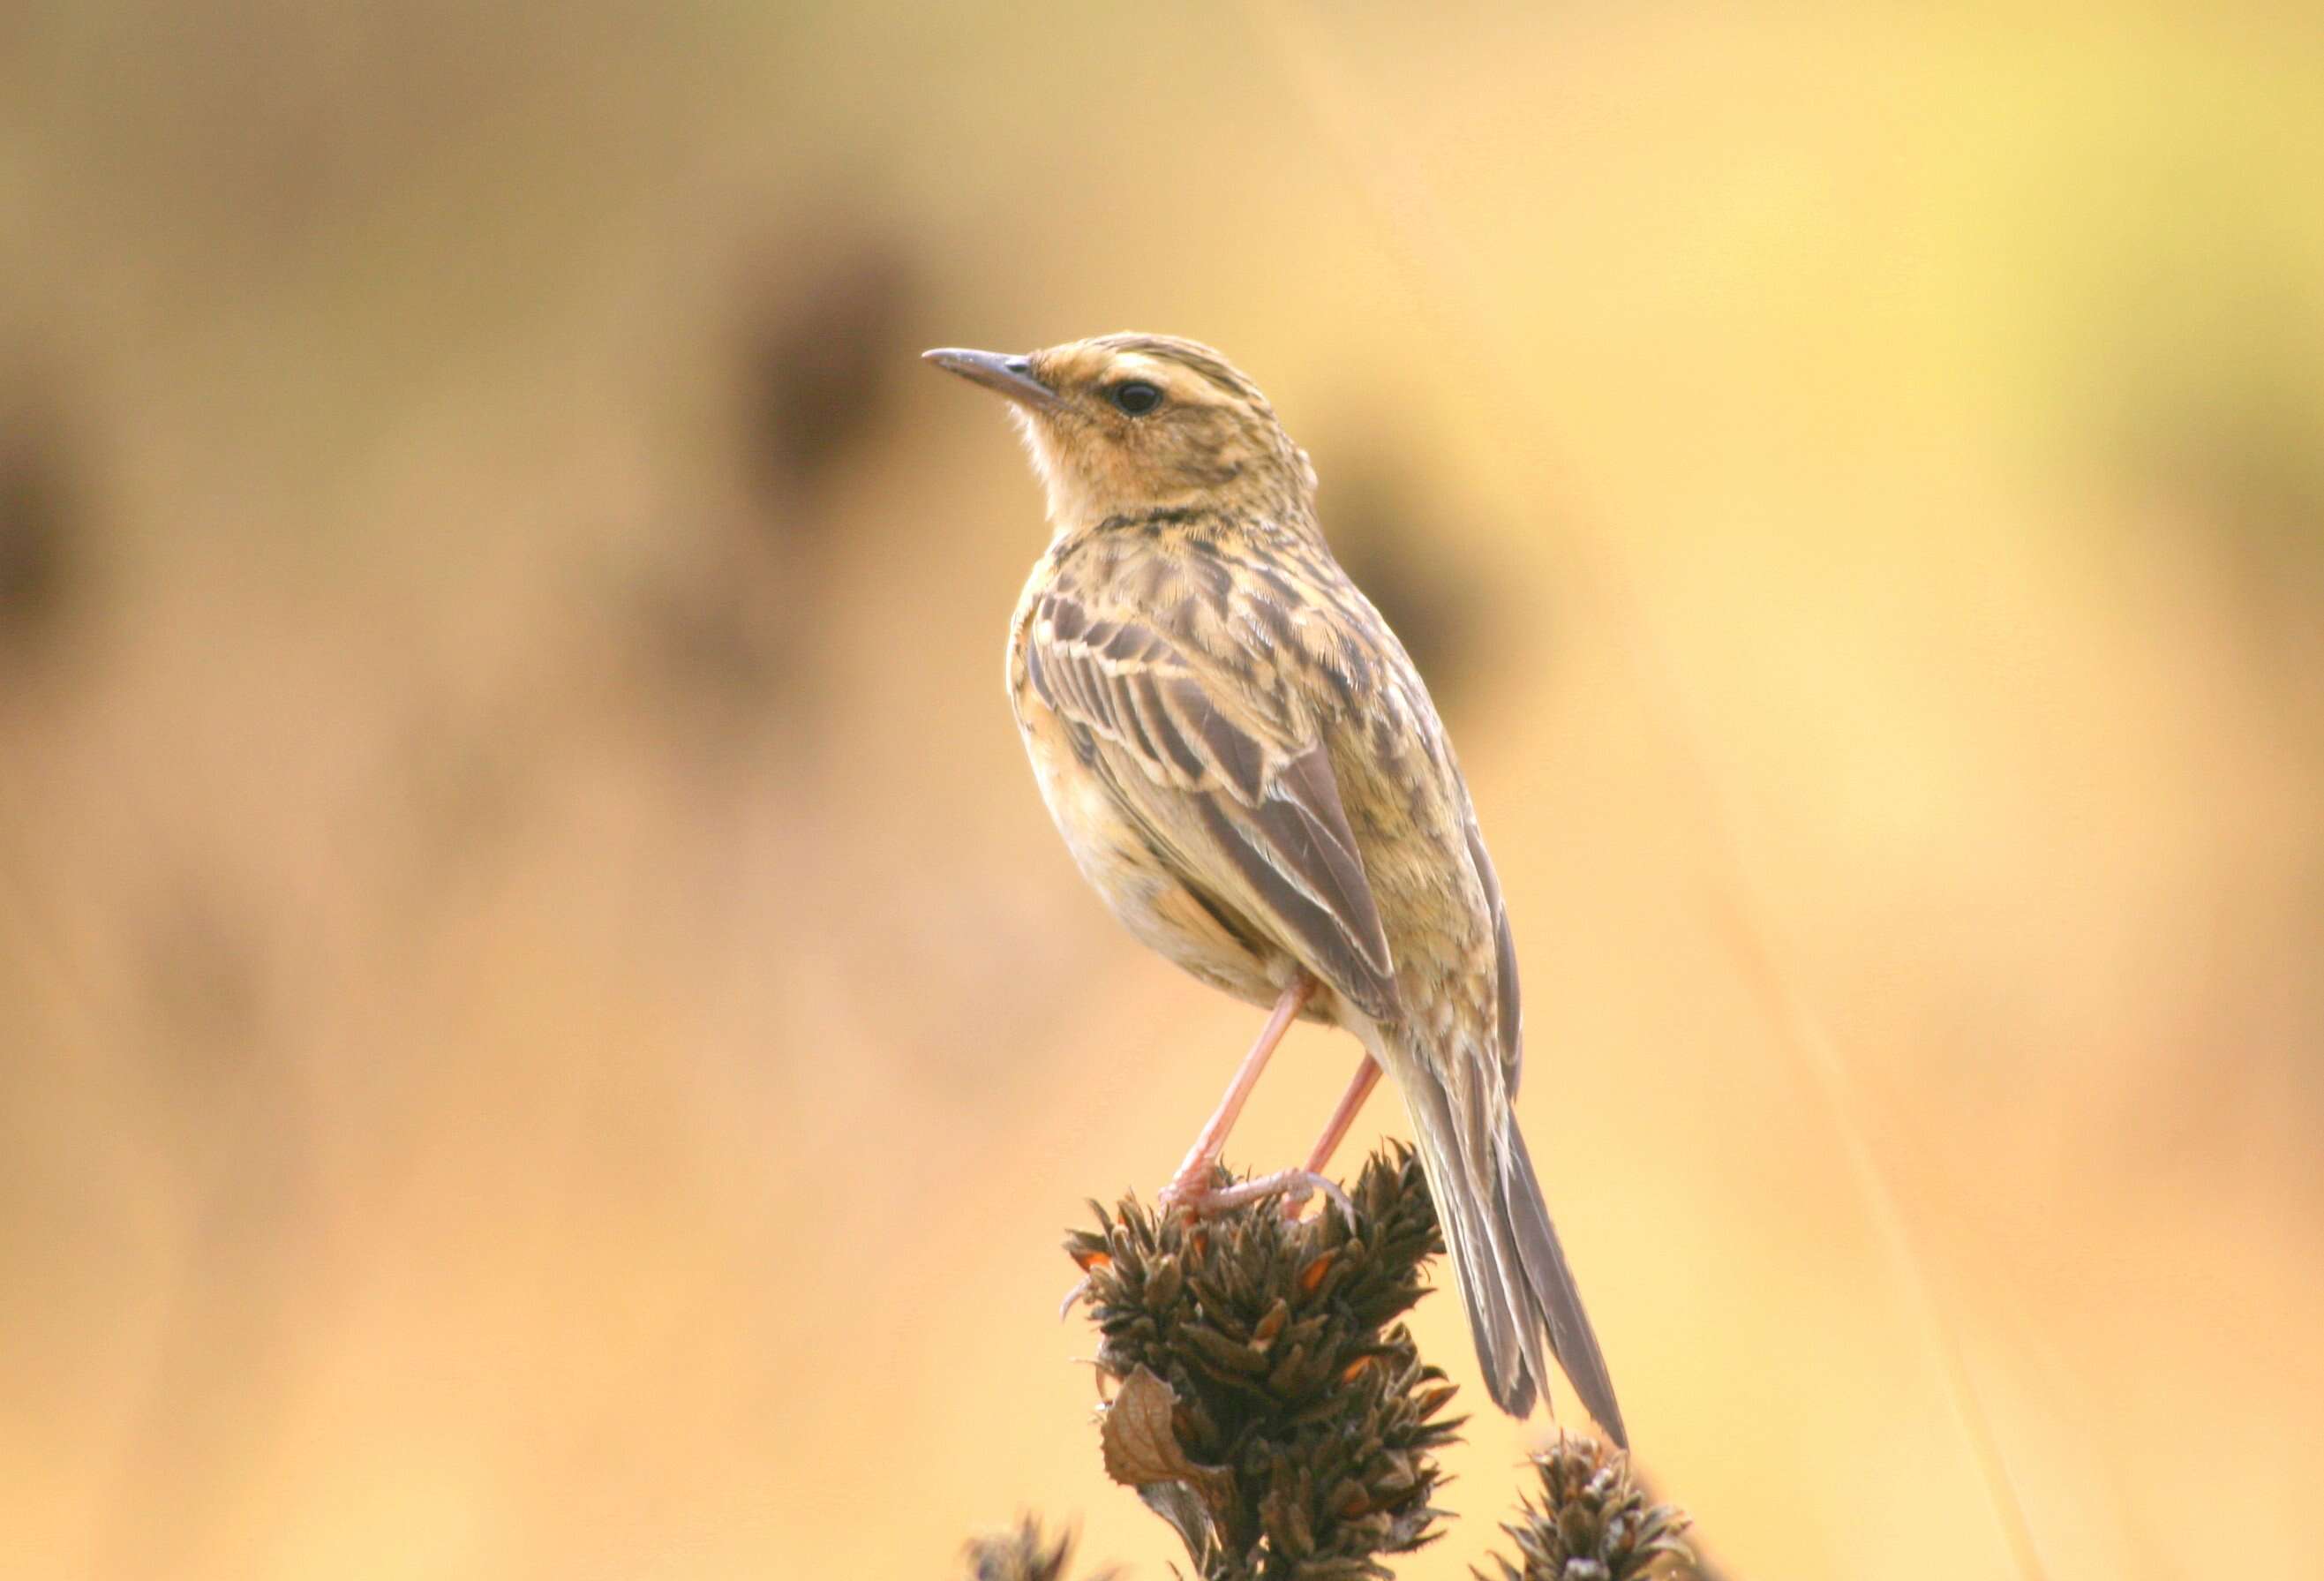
[[1249, 810]]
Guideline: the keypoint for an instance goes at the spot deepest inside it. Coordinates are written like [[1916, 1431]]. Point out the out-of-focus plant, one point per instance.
[[1022, 1553]]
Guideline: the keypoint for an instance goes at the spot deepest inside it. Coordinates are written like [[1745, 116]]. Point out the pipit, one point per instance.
[[1248, 768]]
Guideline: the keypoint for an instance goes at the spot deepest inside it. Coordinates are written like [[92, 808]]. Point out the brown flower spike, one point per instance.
[[1593, 1523], [1245, 764], [1267, 1401]]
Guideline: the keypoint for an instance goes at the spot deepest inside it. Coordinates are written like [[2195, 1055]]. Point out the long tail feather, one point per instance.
[[1557, 1299], [1511, 1272], [1493, 1316]]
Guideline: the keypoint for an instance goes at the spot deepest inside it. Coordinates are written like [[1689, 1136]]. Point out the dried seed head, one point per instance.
[[1593, 1523], [1301, 1423]]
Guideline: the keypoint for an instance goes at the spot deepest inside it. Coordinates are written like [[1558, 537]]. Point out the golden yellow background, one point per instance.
[[544, 1030]]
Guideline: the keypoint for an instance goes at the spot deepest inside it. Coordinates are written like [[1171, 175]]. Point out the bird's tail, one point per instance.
[[1506, 1258]]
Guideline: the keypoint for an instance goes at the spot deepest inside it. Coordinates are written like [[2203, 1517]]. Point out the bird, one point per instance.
[[1246, 765]]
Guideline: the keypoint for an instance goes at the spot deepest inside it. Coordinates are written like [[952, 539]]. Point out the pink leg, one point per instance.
[[1191, 1186], [1352, 1104]]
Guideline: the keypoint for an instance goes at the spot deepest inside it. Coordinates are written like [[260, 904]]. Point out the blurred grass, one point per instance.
[[529, 967]]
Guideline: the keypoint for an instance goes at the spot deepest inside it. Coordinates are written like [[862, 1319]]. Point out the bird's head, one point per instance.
[[1129, 423]]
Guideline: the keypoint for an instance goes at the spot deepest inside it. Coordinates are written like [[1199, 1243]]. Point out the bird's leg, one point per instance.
[[1352, 1104], [1191, 1187], [1295, 1185]]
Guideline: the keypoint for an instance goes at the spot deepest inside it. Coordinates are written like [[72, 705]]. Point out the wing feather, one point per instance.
[[1250, 810], [1508, 1011]]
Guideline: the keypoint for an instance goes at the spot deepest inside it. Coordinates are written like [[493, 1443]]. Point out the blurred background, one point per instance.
[[544, 1030]]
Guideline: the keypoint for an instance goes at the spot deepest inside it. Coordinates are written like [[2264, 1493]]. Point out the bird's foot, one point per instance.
[[1199, 1198]]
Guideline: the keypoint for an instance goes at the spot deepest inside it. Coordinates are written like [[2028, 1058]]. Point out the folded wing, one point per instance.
[[1241, 802]]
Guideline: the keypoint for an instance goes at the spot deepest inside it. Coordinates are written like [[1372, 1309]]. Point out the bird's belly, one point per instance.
[[1158, 909]]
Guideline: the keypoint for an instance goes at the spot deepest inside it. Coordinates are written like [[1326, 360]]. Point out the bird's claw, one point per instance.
[[1294, 1186]]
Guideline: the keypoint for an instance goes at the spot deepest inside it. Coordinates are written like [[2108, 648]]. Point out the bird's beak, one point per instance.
[[997, 371]]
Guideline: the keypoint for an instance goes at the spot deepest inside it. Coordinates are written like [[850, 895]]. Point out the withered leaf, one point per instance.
[[1142, 1447]]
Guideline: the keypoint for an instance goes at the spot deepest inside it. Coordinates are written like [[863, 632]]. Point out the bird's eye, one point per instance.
[[1137, 397]]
